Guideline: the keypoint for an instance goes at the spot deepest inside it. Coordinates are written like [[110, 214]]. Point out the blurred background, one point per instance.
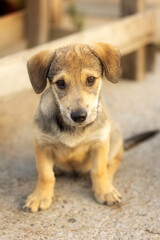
[[27, 23]]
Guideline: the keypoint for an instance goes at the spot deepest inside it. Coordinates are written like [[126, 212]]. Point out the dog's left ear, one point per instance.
[[38, 66], [109, 56]]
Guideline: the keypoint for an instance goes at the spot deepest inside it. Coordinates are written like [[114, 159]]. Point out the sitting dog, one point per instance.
[[72, 129]]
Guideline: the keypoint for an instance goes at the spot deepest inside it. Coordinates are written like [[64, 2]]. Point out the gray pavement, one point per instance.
[[74, 213]]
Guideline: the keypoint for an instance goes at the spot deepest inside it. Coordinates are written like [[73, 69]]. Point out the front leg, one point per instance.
[[41, 198], [102, 186]]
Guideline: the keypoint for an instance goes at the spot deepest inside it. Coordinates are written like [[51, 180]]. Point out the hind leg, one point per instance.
[[114, 163]]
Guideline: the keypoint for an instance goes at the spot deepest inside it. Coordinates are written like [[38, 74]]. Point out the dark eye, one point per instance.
[[61, 84], [91, 80]]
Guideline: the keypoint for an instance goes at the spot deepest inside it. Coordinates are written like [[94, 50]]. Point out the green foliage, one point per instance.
[[77, 18]]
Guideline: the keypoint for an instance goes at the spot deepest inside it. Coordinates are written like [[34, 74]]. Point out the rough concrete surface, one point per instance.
[[74, 213]]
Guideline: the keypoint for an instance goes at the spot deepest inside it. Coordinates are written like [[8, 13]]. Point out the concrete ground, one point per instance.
[[74, 213]]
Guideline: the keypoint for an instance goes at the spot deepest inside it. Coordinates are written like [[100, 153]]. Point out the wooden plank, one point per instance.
[[56, 7], [123, 33], [157, 26], [133, 65], [12, 30], [37, 22]]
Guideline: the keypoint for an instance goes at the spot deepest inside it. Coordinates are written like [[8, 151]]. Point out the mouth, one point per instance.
[[80, 123], [67, 124], [75, 120]]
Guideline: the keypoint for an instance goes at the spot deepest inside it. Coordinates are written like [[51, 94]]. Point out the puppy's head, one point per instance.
[[75, 74]]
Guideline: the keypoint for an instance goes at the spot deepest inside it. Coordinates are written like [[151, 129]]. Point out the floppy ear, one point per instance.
[[38, 66], [109, 56]]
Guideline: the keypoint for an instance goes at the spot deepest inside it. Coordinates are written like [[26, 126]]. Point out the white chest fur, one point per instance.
[[74, 139]]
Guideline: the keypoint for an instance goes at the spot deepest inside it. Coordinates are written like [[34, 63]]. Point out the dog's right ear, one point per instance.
[[38, 66]]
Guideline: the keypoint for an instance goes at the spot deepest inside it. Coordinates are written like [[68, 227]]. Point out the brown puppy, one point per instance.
[[72, 129]]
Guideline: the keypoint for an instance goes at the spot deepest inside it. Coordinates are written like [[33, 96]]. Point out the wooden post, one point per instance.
[[133, 65], [151, 51], [56, 11], [37, 22]]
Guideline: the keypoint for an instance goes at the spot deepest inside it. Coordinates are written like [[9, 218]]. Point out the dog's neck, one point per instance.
[[61, 124]]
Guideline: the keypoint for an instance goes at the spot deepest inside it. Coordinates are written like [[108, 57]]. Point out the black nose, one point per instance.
[[79, 115]]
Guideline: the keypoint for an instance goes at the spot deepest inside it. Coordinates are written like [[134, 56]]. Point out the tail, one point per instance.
[[135, 140]]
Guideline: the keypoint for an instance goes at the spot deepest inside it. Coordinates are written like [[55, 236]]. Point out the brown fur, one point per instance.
[[94, 145]]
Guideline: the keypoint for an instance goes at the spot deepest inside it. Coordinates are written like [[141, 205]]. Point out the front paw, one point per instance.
[[110, 196], [36, 202]]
